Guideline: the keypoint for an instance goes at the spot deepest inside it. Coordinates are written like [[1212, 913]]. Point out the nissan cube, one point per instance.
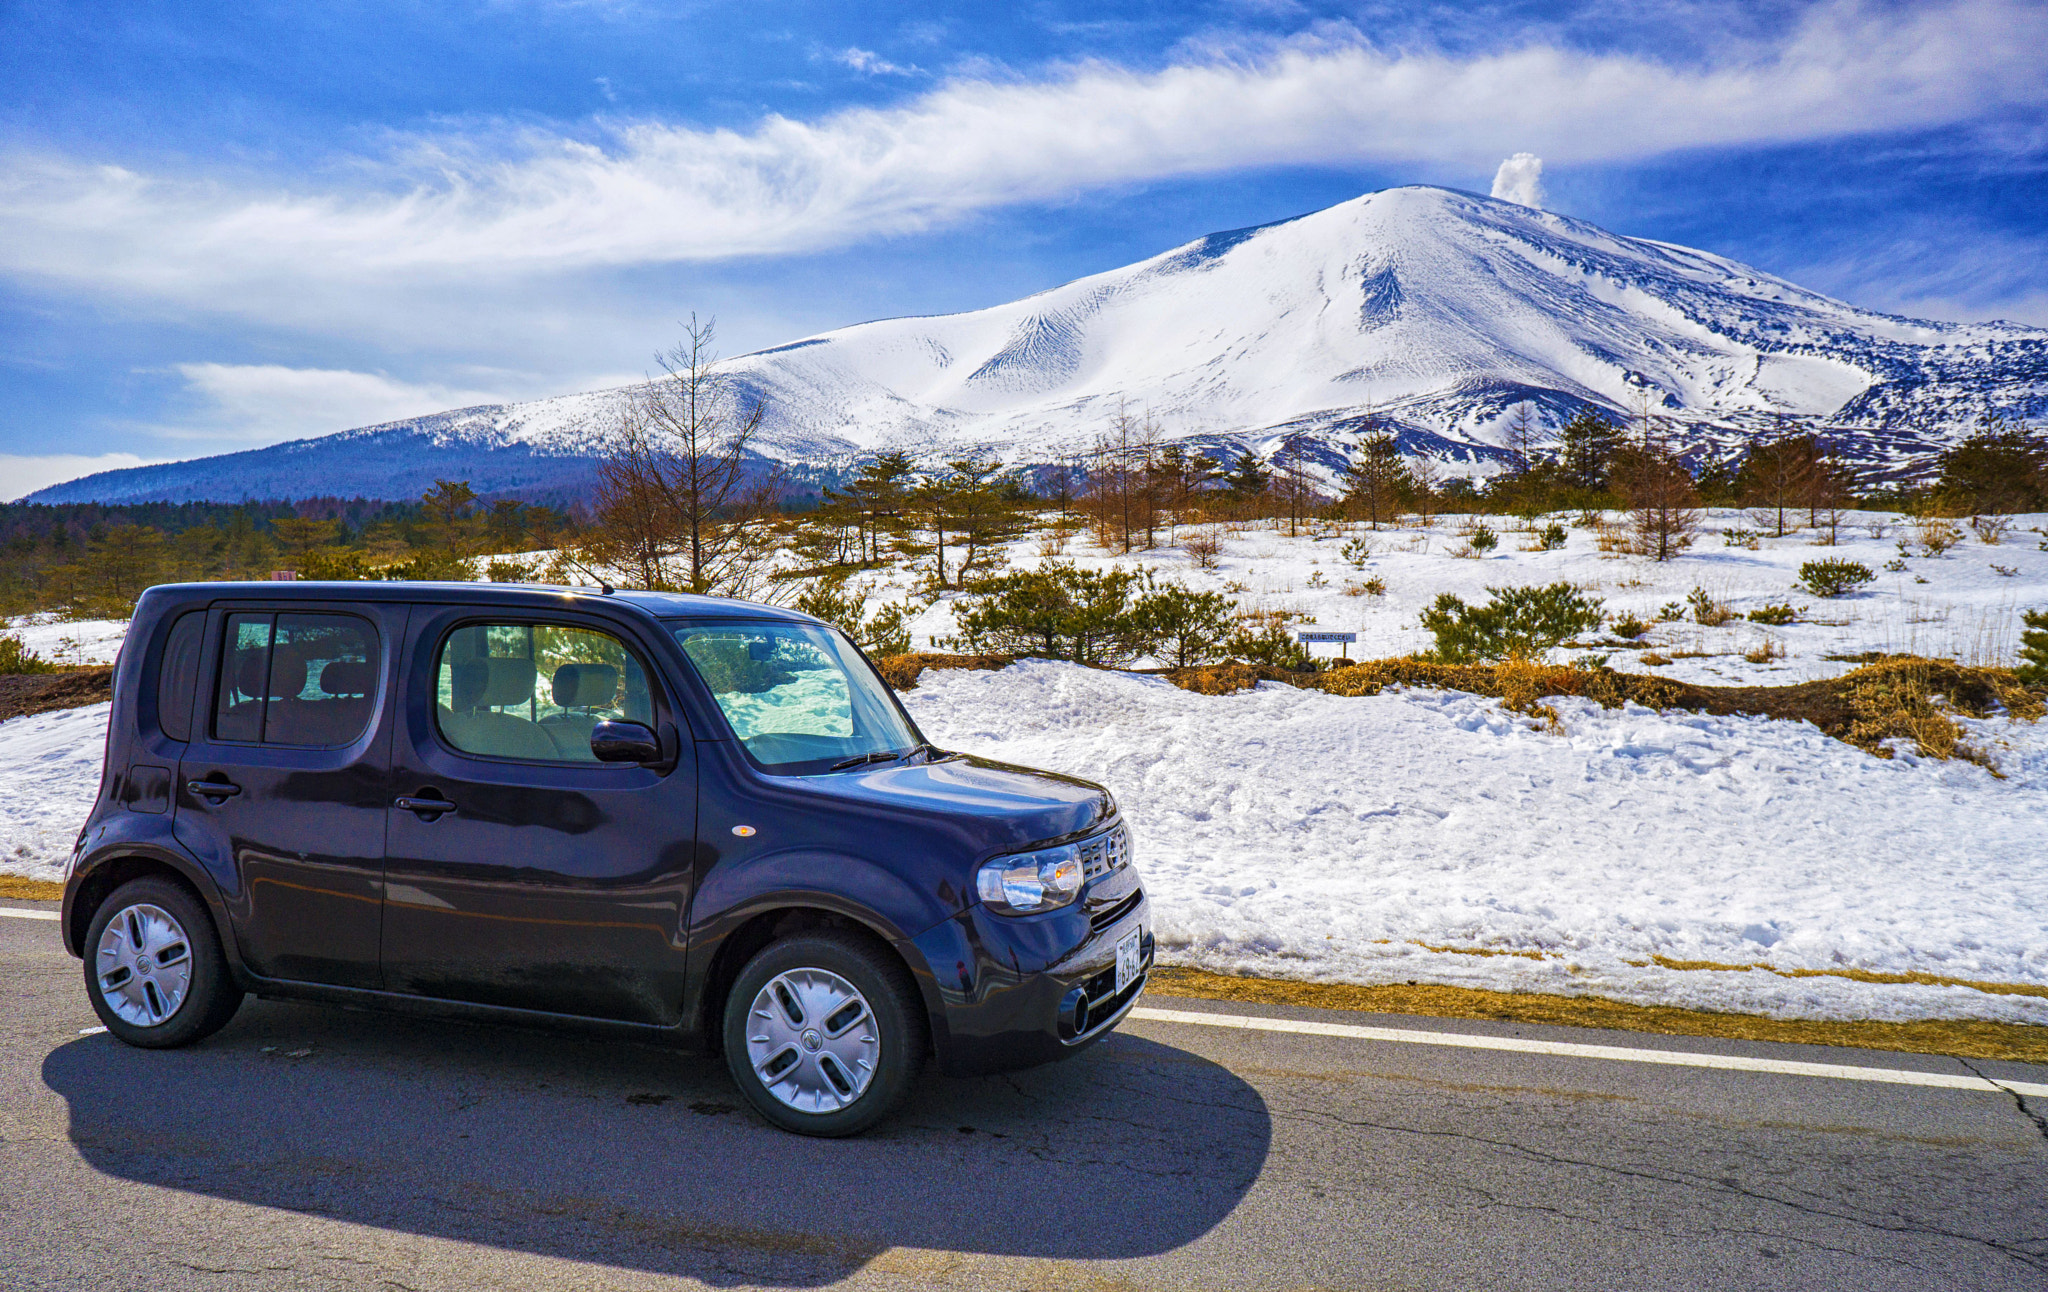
[[675, 818]]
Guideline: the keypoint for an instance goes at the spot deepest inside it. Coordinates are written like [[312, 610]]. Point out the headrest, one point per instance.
[[287, 672], [288, 667], [348, 677], [578, 685], [249, 665], [489, 683]]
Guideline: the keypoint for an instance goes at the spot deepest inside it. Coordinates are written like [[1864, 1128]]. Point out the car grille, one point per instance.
[[1102, 919], [1106, 853]]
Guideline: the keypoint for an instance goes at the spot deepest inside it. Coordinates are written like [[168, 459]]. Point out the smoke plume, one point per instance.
[[1520, 179]]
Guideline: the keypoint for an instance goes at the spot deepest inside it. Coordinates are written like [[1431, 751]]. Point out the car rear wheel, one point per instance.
[[824, 1033], [154, 969]]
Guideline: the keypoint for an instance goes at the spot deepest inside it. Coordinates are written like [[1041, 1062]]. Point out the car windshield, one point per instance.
[[799, 697]]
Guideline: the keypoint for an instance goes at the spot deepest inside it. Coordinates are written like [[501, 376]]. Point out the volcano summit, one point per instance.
[[1430, 312]]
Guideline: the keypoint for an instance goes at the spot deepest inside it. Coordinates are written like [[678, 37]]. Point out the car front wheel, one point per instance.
[[824, 1033], [154, 969]]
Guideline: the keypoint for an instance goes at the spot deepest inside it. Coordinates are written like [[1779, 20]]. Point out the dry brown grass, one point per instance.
[[902, 671], [1964, 1039], [1898, 697], [16, 889]]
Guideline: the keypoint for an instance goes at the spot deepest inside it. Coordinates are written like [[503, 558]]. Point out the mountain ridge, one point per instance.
[[1430, 312]]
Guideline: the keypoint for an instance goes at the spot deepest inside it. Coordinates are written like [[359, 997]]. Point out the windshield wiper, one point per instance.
[[878, 756]]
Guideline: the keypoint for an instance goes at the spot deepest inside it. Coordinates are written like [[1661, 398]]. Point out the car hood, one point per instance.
[[1006, 805]]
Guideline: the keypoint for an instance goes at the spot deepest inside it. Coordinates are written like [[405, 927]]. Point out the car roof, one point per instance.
[[659, 605]]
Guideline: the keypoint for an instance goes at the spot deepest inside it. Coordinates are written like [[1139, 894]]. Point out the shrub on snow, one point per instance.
[[1519, 623]]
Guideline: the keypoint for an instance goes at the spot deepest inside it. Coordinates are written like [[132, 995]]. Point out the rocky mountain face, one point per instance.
[[1430, 312]]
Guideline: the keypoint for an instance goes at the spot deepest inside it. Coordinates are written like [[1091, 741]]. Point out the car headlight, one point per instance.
[[1027, 882]]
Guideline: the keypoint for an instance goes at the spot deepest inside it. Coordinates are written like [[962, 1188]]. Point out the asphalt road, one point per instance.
[[311, 1148]]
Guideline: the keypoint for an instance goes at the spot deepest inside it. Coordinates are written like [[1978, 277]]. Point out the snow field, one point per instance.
[[68, 641], [50, 766], [1296, 834], [1966, 610]]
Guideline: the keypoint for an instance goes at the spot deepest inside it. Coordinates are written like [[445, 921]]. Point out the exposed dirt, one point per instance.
[[1963, 1039], [26, 693], [902, 671]]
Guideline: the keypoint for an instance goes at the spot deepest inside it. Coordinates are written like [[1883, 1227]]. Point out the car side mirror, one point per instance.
[[624, 742]]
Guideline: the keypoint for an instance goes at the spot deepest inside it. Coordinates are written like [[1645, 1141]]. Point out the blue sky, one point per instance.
[[222, 226]]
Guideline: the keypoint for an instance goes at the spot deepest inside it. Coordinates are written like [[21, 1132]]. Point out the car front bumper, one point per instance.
[[1018, 991]]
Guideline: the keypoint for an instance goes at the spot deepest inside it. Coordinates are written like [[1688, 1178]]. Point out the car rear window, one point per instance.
[[178, 676], [307, 680]]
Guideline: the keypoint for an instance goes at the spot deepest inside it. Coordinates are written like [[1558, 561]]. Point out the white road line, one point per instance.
[[1676, 1058], [16, 912]]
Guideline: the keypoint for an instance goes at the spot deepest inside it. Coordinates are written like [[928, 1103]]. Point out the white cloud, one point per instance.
[[265, 403], [468, 209], [25, 473], [1520, 180], [868, 62]]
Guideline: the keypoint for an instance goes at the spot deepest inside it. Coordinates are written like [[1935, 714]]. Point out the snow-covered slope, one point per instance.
[[1436, 311]]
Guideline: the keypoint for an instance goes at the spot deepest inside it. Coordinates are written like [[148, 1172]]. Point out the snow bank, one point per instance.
[[50, 765], [1298, 834], [69, 641]]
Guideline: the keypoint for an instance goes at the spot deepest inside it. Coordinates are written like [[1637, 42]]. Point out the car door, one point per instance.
[[520, 871], [286, 779]]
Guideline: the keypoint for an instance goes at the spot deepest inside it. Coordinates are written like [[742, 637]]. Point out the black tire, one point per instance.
[[812, 962], [209, 997]]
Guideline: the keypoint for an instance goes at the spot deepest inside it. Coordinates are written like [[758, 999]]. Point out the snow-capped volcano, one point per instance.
[[1431, 311]]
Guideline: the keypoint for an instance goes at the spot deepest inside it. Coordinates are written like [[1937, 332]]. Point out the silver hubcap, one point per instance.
[[144, 963], [813, 1040]]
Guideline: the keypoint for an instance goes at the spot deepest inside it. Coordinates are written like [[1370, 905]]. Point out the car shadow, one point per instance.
[[642, 1158]]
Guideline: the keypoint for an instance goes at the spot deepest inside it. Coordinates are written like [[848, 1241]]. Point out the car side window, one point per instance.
[[535, 691], [178, 675], [303, 680]]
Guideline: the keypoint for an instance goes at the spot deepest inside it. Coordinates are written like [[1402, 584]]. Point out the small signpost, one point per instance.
[[1342, 640]]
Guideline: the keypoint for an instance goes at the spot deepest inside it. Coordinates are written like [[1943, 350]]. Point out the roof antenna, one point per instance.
[[605, 586]]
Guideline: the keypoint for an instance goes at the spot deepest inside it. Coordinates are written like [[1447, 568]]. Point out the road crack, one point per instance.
[[2019, 1100], [1889, 1225]]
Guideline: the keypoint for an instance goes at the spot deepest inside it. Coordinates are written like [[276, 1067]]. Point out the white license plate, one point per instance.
[[1129, 959]]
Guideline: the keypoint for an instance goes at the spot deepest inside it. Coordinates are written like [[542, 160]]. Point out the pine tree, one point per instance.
[[1248, 477], [2033, 669], [1375, 481], [1588, 443]]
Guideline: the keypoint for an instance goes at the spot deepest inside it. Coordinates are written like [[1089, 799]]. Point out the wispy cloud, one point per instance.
[[265, 403], [492, 205], [868, 62], [25, 473]]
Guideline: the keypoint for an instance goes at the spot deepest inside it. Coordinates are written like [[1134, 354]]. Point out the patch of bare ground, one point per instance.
[[14, 888], [1956, 1038], [25, 693]]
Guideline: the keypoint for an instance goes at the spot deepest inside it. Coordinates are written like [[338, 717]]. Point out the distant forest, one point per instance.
[[710, 522]]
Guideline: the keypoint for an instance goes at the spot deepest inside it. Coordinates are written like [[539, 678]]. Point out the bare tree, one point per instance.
[[1827, 491], [1423, 477], [1775, 477], [678, 480], [1121, 501], [1663, 503], [1293, 482], [1527, 438]]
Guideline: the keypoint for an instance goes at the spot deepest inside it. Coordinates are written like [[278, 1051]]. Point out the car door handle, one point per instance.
[[429, 809], [216, 791]]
